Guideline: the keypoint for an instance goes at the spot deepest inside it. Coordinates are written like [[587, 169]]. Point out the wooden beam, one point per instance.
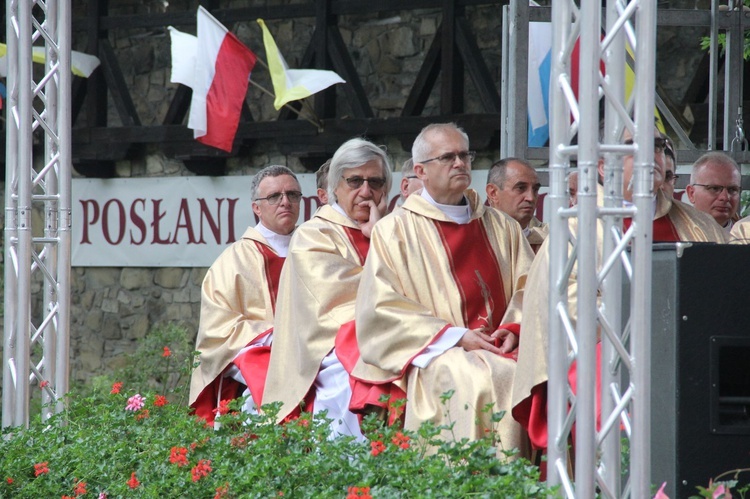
[[116, 83], [426, 78], [343, 65], [451, 66], [488, 91]]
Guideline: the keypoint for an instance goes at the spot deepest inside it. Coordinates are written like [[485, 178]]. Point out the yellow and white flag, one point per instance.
[[81, 64], [293, 84]]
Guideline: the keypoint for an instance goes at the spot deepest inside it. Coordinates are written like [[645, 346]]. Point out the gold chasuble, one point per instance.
[[536, 233], [424, 274], [238, 296], [673, 221], [317, 289], [740, 233]]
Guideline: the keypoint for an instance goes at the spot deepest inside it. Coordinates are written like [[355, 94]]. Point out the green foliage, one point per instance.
[[160, 450], [744, 204], [722, 41]]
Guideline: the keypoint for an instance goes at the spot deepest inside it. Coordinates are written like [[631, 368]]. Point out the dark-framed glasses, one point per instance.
[[355, 182], [450, 157], [411, 176], [732, 190], [294, 197]]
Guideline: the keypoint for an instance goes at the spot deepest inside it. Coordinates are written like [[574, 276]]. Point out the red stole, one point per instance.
[[475, 269], [272, 264], [360, 242], [664, 230]]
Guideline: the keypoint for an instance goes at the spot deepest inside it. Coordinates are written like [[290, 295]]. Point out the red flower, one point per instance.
[[359, 493], [160, 401], [203, 468], [142, 415], [222, 491], [303, 423], [116, 388], [9, 480], [223, 407], [41, 469], [167, 352], [44, 384], [377, 447], [67, 497], [80, 489], [133, 483], [401, 440], [178, 456]]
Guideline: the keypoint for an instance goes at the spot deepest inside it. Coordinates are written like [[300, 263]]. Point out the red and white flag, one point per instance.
[[217, 66]]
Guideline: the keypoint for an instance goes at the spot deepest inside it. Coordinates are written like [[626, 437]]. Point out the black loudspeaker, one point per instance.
[[700, 402]]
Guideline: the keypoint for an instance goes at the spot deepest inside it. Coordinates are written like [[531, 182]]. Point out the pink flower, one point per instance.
[[721, 492], [44, 384], [660, 493], [102, 495], [135, 403]]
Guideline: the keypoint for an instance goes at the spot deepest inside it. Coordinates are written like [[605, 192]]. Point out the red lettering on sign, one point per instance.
[[158, 215], [121, 221], [138, 221], [230, 216], [187, 224], [85, 203]]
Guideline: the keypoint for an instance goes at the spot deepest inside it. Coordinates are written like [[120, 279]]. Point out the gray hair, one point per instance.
[[422, 147], [269, 171], [714, 158], [408, 167], [353, 153], [499, 170]]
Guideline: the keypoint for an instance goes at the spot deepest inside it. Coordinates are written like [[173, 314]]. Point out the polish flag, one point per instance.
[[217, 66]]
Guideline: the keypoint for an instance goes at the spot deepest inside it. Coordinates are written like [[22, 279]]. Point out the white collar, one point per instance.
[[279, 242], [461, 214]]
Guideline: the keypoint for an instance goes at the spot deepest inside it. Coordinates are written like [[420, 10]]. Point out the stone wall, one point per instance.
[[113, 308]]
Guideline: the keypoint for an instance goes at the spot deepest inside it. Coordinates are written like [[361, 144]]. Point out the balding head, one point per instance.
[[513, 187]]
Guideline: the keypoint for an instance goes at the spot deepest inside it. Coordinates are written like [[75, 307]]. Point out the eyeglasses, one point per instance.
[[660, 144], [450, 157], [732, 190], [356, 182], [294, 197], [671, 177], [411, 176]]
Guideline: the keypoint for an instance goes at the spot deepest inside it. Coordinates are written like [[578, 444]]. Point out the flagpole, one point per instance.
[[317, 123], [315, 120]]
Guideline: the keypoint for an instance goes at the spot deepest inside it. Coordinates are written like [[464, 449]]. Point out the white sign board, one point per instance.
[[173, 221]]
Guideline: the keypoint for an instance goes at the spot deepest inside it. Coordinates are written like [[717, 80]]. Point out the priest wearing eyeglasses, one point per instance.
[[715, 187], [430, 312], [318, 288], [673, 221], [238, 297]]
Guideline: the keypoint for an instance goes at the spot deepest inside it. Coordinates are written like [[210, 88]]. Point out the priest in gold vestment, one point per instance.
[[740, 233], [431, 304], [673, 221], [319, 285], [238, 297]]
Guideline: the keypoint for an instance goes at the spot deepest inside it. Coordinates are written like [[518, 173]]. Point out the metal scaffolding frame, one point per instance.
[[599, 251], [732, 21], [37, 208]]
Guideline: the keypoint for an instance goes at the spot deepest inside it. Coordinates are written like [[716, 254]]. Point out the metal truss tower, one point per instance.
[[37, 208], [588, 240]]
